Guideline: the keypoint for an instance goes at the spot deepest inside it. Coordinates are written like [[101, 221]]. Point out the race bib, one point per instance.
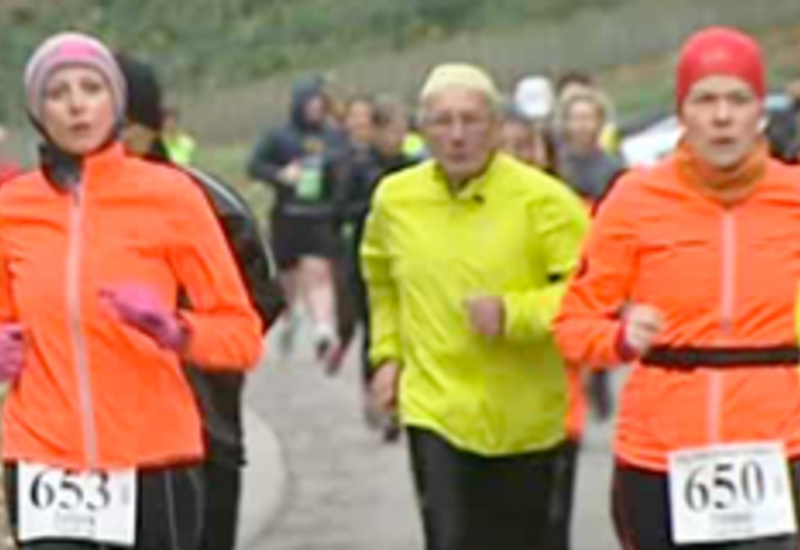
[[310, 185], [62, 504], [725, 493]]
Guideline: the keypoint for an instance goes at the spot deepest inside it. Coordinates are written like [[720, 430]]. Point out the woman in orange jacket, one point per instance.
[[101, 433], [704, 250]]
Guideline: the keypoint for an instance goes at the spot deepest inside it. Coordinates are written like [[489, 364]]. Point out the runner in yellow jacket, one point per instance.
[[466, 258]]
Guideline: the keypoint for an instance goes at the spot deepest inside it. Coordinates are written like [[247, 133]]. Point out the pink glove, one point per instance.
[[11, 351], [140, 307]]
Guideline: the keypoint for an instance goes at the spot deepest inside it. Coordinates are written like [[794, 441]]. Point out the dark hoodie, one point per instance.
[[303, 141], [590, 174]]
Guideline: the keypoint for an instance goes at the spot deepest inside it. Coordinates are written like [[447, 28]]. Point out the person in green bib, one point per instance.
[[291, 160], [180, 145], [466, 257]]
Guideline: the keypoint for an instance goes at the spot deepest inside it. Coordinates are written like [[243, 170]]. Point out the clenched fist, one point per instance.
[[486, 315], [384, 385], [641, 326]]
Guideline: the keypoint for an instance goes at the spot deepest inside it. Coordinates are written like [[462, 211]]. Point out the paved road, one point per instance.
[[348, 491]]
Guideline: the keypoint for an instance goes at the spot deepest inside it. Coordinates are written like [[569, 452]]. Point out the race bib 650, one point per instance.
[[731, 492]]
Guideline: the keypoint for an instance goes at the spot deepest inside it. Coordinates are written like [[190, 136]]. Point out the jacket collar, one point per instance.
[[104, 161], [474, 189], [65, 171], [727, 187]]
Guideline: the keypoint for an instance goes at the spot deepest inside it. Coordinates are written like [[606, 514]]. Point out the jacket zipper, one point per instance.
[[75, 315], [727, 304]]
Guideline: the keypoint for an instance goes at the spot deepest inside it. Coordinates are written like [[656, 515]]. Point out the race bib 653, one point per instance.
[[60, 504]]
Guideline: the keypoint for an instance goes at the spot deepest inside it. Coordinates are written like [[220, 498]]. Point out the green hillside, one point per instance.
[[206, 44]]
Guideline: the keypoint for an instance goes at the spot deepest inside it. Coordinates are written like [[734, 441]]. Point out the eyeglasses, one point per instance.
[[468, 123]]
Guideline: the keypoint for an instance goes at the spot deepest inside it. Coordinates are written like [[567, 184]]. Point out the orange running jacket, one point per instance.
[[577, 406], [724, 277], [95, 393]]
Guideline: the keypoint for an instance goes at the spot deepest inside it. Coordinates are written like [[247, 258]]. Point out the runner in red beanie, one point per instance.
[[700, 254]]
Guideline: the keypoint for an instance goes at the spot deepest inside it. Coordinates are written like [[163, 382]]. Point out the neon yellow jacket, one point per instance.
[[509, 233]]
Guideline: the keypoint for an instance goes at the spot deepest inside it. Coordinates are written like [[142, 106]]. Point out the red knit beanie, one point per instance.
[[719, 51]]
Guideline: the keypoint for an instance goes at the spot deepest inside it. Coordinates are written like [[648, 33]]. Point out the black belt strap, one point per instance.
[[688, 357]]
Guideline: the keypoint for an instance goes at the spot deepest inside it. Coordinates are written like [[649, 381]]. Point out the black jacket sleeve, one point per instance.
[[270, 156], [257, 266], [339, 175], [251, 251]]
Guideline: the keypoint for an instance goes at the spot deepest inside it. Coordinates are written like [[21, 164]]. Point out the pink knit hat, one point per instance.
[[71, 49]]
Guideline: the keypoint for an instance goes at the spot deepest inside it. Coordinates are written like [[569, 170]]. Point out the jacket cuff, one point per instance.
[[625, 352]]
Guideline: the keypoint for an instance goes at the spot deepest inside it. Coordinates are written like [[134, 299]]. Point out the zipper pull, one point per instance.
[[77, 193]]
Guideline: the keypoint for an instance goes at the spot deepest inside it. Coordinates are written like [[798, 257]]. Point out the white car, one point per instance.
[[648, 146]]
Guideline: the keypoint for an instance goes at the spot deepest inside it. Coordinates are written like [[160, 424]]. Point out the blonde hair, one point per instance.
[[459, 75], [585, 95]]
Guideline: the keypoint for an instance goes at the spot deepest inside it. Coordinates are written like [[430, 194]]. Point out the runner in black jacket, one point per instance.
[[290, 160], [354, 178], [219, 394]]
